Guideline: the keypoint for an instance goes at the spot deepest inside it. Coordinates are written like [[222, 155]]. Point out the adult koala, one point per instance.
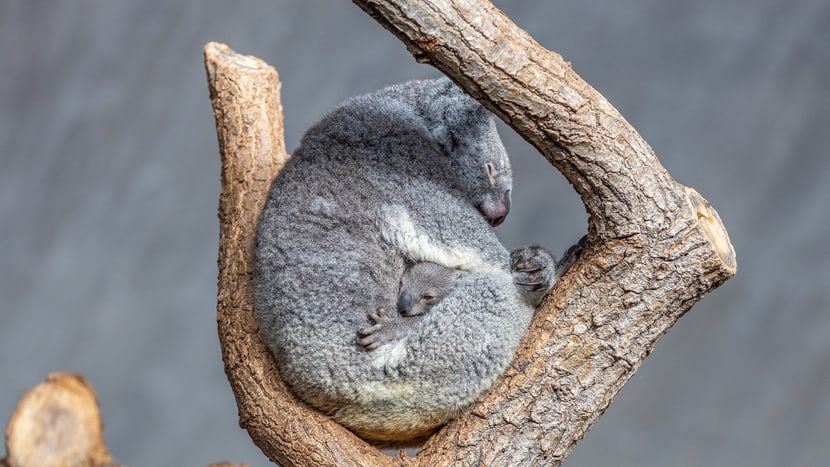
[[413, 172]]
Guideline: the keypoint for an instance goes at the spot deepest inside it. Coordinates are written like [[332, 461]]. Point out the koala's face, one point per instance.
[[423, 285], [466, 132], [483, 170]]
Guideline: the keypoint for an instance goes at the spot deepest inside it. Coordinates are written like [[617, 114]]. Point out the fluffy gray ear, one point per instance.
[[454, 113]]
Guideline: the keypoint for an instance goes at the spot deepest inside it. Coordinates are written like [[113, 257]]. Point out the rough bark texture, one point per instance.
[[244, 92], [655, 247], [57, 423]]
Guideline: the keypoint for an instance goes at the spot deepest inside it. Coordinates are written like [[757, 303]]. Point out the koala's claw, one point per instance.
[[571, 255], [520, 265], [535, 279], [534, 285], [378, 316], [371, 340], [371, 337], [534, 271]]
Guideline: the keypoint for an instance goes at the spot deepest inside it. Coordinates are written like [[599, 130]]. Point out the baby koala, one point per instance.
[[423, 285]]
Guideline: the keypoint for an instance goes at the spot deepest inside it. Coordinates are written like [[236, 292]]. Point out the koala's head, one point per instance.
[[466, 132], [423, 285]]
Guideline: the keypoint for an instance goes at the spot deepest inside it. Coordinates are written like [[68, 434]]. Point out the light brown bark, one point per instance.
[[57, 423], [655, 247], [244, 92]]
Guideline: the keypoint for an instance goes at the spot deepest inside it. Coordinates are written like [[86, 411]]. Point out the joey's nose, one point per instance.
[[405, 303]]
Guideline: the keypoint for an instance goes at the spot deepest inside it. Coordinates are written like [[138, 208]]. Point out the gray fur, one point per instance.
[[423, 285], [392, 177]]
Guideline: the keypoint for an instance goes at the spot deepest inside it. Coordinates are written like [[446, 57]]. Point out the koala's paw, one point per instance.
[[534, 272], [571, 255], [380, 332]]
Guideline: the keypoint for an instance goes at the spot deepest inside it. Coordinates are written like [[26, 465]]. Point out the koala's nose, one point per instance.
[[497, 221], [502, 209], [405, 302]]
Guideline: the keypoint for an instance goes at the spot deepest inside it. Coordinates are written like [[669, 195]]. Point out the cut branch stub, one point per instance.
[[655, 247], [57, 423]]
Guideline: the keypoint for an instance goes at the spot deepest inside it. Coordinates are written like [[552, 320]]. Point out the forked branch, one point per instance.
[[655, 247]]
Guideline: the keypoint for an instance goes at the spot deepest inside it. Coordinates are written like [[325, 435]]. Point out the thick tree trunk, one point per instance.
[[655, 247]]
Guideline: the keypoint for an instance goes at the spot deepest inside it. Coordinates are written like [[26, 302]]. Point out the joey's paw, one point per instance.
[[378, 333], [570, 256], [534, 272]]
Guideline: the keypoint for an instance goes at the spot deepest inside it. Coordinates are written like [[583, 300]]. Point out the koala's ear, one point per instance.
[[455, 113]]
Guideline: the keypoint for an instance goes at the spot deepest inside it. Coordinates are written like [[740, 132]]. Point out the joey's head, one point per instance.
[[423, 285], [466, 133]]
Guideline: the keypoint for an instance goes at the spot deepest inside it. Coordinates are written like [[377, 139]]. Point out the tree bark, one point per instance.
[[57, 423], [655, 247], [244, 92]]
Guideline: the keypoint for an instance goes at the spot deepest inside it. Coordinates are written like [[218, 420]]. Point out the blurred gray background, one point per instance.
[[109, 180]]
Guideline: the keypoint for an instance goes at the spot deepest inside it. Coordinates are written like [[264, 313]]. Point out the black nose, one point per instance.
[[405, 302]]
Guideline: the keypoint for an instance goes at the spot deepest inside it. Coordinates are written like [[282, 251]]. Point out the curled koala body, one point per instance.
[[412, 173]]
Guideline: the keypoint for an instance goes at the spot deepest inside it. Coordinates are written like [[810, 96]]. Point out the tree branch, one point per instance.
[[244, 92], [655, 247]]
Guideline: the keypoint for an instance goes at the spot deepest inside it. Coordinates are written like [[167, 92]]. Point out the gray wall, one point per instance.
[[109, 178]]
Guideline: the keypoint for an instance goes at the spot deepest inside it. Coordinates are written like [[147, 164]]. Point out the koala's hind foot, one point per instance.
[[385, 329], [534, 272]]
